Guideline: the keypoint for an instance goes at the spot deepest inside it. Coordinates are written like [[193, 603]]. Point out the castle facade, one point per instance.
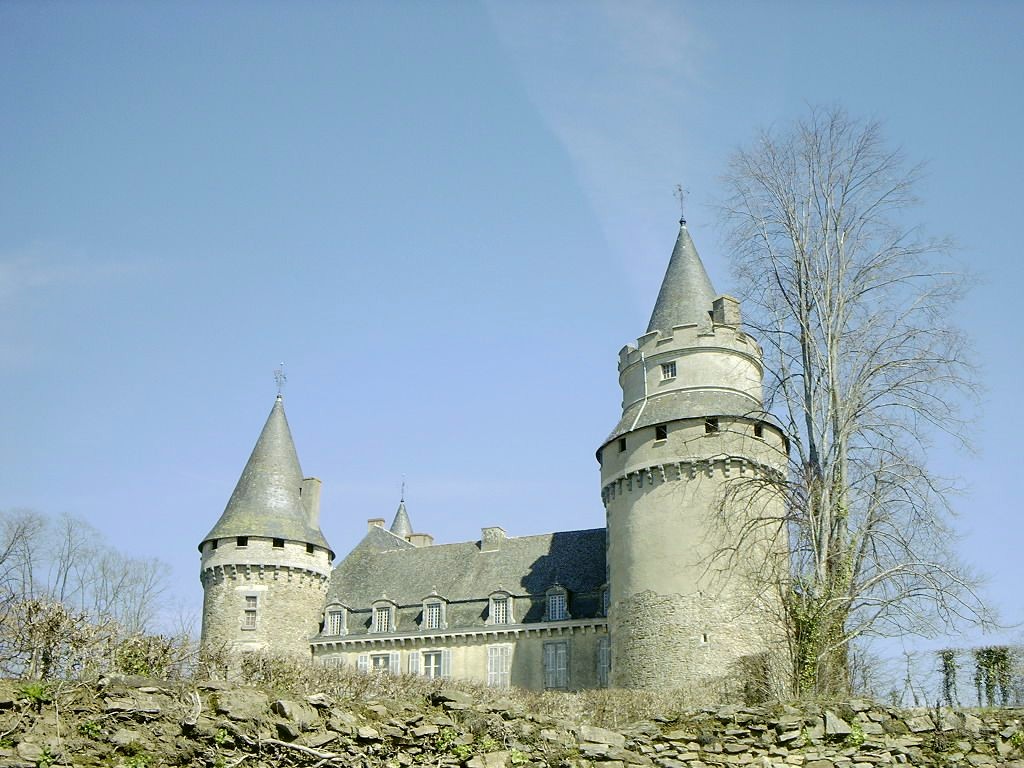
[[670, 593]]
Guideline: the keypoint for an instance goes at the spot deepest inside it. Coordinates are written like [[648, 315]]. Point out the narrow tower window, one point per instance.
[[310, 549], [242, 541], [661, 432], [279, 543], [711, 425], [249, 614], [759, 430], [668, 370], [622, 444]]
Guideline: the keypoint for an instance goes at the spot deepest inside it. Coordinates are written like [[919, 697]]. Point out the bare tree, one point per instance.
[[863, 366]]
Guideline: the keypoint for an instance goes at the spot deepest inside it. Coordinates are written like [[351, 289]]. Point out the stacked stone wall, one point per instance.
[[153, 723]]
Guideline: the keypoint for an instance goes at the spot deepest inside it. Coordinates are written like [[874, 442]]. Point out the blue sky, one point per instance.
[[446, 218]]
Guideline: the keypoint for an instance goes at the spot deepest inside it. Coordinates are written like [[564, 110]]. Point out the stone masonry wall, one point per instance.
[[138, 723]]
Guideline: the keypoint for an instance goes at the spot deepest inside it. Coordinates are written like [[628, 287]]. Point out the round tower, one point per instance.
[[679, 477], [265, 564]]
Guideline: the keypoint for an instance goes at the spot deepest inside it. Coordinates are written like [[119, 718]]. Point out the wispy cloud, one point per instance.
[[29, 271], [613, 81]]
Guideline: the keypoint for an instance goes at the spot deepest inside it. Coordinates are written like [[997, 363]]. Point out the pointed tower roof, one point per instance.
[[402, 526], [686, 293], [267, 500]]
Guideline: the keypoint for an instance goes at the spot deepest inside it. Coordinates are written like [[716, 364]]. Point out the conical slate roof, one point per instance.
[[267, 500], [402, 526], [686, 293]]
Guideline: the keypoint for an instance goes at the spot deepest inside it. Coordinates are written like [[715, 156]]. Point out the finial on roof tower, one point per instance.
[[280, 379], [402, 497], [681, 197]]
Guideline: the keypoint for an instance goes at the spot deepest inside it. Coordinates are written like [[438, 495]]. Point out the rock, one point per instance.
[[734, 748], [788, 736], [366, 733], [31, 751], [140, 704], [920, 724], [835, 726], [590, 733], [242, 704], [975, 759], [319, 740], [319, 700], [972, 724], [489, 760], [593, 749], [302, 714], [820, 763], [425, 730], [447, 696], [125, 737]]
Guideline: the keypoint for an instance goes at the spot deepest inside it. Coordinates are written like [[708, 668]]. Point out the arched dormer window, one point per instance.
[[434, 612], [499, 608], [556, 604], [336, 620], [385, 616]]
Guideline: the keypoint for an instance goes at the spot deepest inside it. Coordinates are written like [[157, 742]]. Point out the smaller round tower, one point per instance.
[[265, 565]]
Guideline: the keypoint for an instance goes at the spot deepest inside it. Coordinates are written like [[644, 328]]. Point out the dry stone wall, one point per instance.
[[144, 724]]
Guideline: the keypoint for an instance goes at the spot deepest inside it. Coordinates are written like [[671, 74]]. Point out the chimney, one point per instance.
[[726, 311], [374, 522], [420, 539], [310, 493], [491, 538]]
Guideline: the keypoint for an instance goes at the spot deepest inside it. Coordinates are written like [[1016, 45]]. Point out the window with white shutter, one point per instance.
[[499, 666], [363, 662], [395, 663], [414, 662], [446, 663], [604, 661], [556, 664]]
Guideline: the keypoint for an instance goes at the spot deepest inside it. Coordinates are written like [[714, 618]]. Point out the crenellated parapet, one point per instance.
[[725, 467]]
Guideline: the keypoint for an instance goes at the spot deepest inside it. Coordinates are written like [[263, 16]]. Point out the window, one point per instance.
[[499, 610], [433, 614], [556, 664], [278, 543], [310, 549], [604, 661], [557, 605], [499, 666], [379, 662], [711, 425], [661, 432], [335, 622], [622, 444], [382, 619], [668, 370], [213, 544], [250, 611], [431, 664], [242, 541], [759, 430]]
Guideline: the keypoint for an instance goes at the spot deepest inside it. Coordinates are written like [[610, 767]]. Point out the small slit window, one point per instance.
[[759, 430], [310, 549], [213, 544], [279, 543], [622, 444], [242, 541], [668, 370], [661, 432], [711, 425]]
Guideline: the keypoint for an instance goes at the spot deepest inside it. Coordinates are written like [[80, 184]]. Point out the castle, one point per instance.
[[666, 595]]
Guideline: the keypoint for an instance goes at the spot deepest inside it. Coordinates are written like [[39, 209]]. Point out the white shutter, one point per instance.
[[446, 662], [395, 663], [498, 664], [493, 659], [563, 664], [363, 662], [549, 665], [414, 662]]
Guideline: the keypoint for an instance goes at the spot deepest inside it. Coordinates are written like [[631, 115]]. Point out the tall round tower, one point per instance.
[[266, 564], [685, 607]]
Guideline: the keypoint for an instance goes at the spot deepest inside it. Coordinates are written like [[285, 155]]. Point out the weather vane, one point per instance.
[[402, 499], [681, 197], [280, 379]]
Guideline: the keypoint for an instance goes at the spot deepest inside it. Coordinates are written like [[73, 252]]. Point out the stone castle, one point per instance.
[[666, 595]]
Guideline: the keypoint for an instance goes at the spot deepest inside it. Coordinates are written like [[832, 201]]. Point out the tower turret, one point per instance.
[[692, 428], [265, 564]]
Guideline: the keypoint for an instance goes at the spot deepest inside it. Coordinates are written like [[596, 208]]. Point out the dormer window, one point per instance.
[[557, 604], [668, 370], [383, 617], [334, 620], [500, 609], [433, 613]]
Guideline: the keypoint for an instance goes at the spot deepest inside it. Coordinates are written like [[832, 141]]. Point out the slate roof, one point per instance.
[[686, 294], [384, 564], [267, 500], [670, 406], [402, 525]]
